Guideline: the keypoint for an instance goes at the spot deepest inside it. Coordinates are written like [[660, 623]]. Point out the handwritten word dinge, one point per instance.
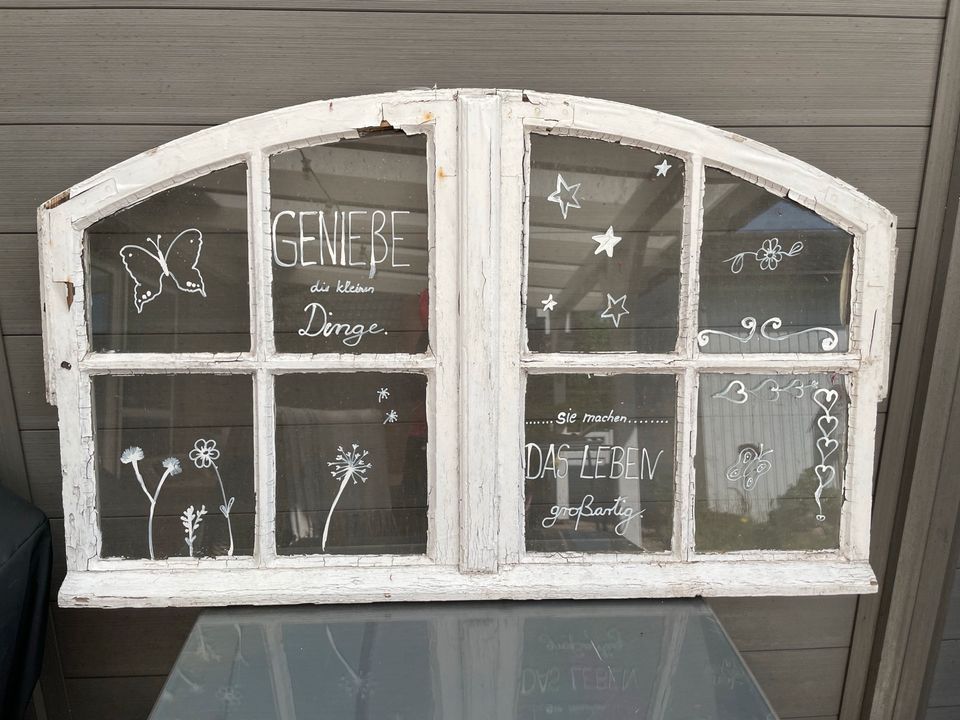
[[319, 325]]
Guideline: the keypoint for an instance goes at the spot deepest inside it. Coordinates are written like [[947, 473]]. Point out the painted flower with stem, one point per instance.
[[348, 465], [133, 456], [769, 255], [191, 520], [205, 455]]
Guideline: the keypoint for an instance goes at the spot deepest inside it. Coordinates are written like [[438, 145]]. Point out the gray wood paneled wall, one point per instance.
[[944, 701], [847, 85]]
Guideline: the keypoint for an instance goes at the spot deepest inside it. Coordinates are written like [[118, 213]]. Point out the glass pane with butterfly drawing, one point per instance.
[[171, 274], [774, 275], [771, 453]]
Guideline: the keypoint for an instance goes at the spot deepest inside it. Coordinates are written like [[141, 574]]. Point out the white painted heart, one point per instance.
[[827, 447], [826, 399], [225, 509], [735, 392], [827, 424], [826, 474]]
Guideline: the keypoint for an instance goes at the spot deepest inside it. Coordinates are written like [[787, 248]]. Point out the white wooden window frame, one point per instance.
[[478, 160]]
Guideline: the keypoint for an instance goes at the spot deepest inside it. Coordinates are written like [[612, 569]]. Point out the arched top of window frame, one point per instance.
[[478, 149]]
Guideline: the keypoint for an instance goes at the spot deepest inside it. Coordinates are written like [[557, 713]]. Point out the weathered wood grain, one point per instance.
[[81, 632], [899, 444], [758, 623], [800, 683], [117, 698], [883, 162], [890, 8], [116, 66], [945, 689], [951, 623]]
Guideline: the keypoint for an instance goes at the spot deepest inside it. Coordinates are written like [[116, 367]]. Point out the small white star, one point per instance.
[[548, 304], [565, 196], [615, 309], [390, 417], [382, 394], [662, 168], [606, 242]]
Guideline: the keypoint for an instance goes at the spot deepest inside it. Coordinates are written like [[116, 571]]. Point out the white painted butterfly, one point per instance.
[[178, 262]]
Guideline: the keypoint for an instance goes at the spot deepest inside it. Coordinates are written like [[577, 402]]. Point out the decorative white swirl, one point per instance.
[[768, 390], [828, 343], [749, 324]]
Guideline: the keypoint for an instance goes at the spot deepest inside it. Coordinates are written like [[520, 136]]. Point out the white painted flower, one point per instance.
[[204, 453], [770, 254], [131, 454], [172, 465]]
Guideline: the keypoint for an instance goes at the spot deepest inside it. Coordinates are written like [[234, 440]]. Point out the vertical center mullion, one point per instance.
[[261, 313], [685, 489]]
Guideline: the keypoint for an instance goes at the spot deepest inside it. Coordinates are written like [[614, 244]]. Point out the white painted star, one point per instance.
[[565, 196], [662, 168], [390, 417], [549, 303], [606, 242], [382, 394], [616, 309]]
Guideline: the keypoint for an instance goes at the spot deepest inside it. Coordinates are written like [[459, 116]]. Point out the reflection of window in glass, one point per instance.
[[351, 463], [598, 460], [171, 273], [771, 451], [349, 229], [774, 276], [175, 465], [606, 222]]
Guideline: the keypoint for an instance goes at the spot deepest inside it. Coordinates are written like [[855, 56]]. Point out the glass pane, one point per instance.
[[598, 462], [351, 463], [175, 473], [606, 222], [771, 451], [774, 276], [170, 274], [349, 230]]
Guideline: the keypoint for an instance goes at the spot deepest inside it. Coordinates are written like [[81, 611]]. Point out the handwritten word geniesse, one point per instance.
[[338, 243], [601, 462], [586, 509], [319, 325]]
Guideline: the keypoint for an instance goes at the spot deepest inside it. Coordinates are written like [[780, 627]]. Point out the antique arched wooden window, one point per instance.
[[464, 344]]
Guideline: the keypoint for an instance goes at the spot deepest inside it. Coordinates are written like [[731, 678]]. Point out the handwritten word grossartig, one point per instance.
[[587, 509]]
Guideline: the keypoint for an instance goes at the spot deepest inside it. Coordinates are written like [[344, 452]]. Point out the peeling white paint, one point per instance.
[[478, 155]]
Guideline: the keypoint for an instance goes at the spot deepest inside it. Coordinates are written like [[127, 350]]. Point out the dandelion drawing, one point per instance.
[[382, 394], [191, 520], [205, 455], [349, 465], [133, 456], [390, 417]]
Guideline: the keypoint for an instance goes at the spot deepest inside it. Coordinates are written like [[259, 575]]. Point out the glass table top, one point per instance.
[[594, 660]]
